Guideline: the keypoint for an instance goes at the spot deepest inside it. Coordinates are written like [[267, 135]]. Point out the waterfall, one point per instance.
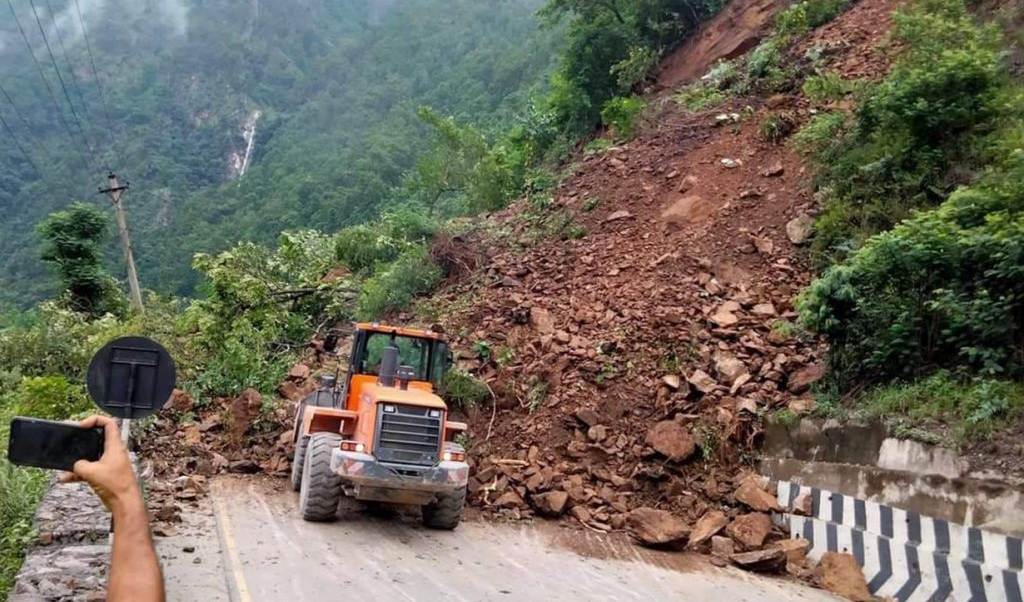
[[249, 134]]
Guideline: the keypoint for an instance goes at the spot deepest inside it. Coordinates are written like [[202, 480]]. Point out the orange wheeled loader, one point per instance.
[[384, 435]]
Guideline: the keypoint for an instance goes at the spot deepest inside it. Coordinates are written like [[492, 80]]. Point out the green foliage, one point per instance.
[[804, 16], [463, 391], [73, 241], [944, 95], [621, 115], [635, 67], [943, 288], [827, 87], [395, 285], [50, 397], [364, 246], [765, 70], [972, 409], [775, 127], [697, 97]]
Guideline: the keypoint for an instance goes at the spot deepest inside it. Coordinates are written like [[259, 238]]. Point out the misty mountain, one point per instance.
[[234, 120]]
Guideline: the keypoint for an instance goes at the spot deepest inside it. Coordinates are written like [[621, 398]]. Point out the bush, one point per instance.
[[622, 114], [944, 289], [765, 69], [697, 97], [394, 286], [826, 87], [463, 391], [775, 127], [50, 397], [804, 16]]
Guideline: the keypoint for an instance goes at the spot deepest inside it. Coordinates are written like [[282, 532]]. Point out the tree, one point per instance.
[[73, 239], [448, 167]]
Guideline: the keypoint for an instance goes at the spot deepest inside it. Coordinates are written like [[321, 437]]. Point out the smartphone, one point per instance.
[[54, 445]]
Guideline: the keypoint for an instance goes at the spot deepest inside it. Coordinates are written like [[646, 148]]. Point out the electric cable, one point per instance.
[[46, 84], [99, 84], [63, 86], [17, 143]]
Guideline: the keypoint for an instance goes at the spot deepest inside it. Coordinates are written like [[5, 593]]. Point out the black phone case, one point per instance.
[[52, 445]]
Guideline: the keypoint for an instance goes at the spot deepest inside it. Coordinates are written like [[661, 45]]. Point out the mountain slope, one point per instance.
[[328, 88]]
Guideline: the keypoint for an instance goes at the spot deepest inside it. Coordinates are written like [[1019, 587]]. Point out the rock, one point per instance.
[[581, 514], [244, 467], [800, 229], [702, 381], [244, 410], [795, 549], [801, 380], [801, 405], [654, 527], [728, 367], [724, 317], [755, 498], [731, 163], [722, 547], [708, 526], [687, 210], [618, 215], [299, 372], [750, 530], [764, 246], [181, 401], [542, 320], [803, 505], [774, 170], [551, 504], [841, 575], [687, 183], [764, 309], [672, 440], [771, 560], [290, 391], [672, 381], [509, 499], [588, 417]]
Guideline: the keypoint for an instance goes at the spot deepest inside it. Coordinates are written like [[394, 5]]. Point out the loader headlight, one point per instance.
[[435, 413], [390, 409], [453, 456]]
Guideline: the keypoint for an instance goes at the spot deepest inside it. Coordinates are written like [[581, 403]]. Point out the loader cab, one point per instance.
[[423, 357]]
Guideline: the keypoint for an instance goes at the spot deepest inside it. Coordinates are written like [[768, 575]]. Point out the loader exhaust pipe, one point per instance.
[[388, 366]]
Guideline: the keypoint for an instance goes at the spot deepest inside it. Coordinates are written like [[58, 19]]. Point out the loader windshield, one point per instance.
[[412, 352]]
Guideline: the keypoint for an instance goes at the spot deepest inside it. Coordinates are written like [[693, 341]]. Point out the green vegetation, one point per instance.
[[971, 409], [804, 16], [776, 127], [73, 241], [621, 115], [922, 237], [464, 391], [827, 87]]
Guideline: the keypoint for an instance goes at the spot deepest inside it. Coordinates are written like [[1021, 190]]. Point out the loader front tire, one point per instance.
[[320, 491], [445, 512]]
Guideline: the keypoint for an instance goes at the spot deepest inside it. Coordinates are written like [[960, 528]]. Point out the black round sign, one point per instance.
[[131, 377]]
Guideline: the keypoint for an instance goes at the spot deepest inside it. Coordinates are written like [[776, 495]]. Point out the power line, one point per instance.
[[21, 118], [60, 78], [99, 84], [46, 83], [17, 143]]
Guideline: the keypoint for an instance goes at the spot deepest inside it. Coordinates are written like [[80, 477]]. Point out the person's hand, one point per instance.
[[112, 477]]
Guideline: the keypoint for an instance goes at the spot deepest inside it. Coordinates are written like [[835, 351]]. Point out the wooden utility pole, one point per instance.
[[114, 190]]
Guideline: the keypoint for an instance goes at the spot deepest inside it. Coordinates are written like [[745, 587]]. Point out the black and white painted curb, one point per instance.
[[906, 555]]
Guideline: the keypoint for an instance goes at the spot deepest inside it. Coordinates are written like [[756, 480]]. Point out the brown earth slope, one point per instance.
[[634, 356]]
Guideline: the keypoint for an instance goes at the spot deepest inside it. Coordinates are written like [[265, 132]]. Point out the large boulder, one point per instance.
[[841, 575], [658, 528], [755, 498], [750, 530], [772, 560], [550, 504], [801, 380], [672, 440], [709, 525], [801, 229]]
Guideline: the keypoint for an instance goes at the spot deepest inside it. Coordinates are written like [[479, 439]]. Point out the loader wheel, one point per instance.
[[299, 461], [446, 512], [320, 492]]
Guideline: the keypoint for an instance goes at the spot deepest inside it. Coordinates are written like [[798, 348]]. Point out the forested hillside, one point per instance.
[[330, 90]]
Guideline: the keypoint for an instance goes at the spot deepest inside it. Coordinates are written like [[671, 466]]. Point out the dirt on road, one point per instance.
[[252, 544]]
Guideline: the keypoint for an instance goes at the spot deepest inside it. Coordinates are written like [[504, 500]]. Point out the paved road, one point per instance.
[[265, 552]]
